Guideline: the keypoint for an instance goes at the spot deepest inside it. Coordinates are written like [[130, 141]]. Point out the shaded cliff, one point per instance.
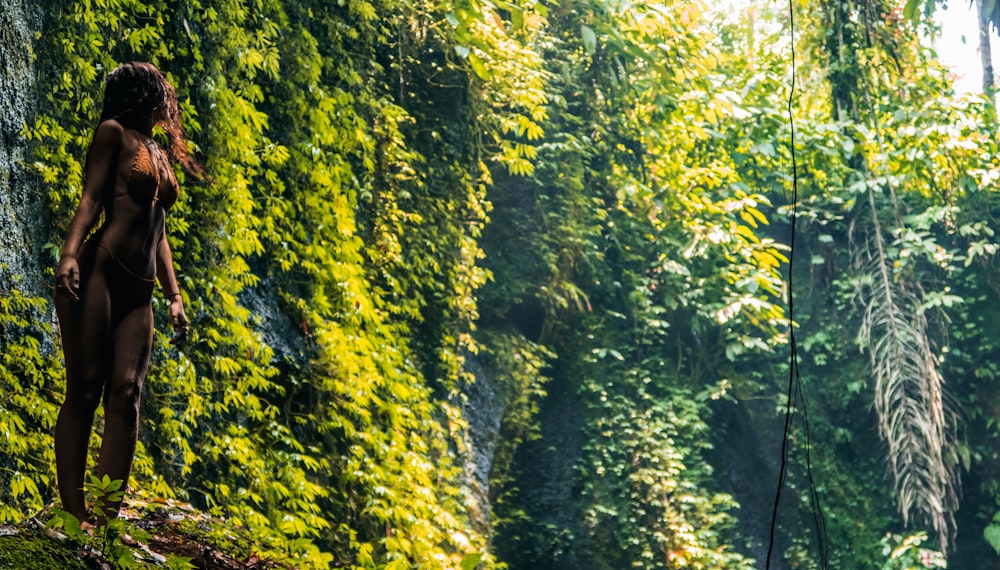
[[22, 214]]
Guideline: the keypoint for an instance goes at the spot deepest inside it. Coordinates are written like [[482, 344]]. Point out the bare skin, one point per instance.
[[103, 291]]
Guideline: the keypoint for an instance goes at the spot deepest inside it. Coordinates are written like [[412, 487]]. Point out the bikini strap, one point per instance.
[[125, 267], [159, 163]]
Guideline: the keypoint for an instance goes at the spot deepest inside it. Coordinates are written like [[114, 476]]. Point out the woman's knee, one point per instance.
[[82, 403], [85, 396], [122, 399]]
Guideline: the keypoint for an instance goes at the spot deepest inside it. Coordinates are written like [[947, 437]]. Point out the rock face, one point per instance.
[[544, 471], [482, 408], [747, 458], [21, 228]]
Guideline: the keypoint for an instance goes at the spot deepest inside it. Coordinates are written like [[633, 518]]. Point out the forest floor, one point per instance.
[[155, 534]]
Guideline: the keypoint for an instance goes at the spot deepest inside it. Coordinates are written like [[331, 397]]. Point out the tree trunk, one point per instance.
[[985, 53]]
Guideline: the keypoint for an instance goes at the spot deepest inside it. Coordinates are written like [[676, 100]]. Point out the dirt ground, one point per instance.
[[165, 529]]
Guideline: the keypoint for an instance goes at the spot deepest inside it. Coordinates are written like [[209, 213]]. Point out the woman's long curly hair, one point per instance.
[[137, 95]]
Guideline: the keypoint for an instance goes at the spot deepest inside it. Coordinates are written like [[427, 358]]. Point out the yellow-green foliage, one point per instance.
[[335, 449], [331, 265], [28, 412]]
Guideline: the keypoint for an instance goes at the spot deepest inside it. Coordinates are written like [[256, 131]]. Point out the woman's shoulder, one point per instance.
[[109, 132]]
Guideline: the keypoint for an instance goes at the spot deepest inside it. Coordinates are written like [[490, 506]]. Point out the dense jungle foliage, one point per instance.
[[506, 283]]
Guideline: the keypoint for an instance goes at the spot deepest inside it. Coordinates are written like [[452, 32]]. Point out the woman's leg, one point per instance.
[[84, 326], [133, 341]]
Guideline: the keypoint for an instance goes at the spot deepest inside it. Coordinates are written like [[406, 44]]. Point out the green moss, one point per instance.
[[31, 551]]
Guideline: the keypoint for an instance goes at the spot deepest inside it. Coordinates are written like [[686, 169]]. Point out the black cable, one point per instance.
[[783, 471], [795, 392], [822, 538]]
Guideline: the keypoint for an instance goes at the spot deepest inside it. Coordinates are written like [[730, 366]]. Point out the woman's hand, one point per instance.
[[178, 319], [68, 277]]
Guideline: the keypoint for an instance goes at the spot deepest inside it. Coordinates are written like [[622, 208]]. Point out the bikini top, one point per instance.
[[144, 180]]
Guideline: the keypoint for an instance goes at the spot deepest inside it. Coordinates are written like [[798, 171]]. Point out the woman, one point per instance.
[[104, 283]]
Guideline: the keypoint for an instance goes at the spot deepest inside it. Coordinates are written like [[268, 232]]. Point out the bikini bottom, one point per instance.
[[126, 291]]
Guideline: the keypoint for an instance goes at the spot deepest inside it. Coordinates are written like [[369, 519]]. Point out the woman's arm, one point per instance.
[[101, 160], [168, 282]]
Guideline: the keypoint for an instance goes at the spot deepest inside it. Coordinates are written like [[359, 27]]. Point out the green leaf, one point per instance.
[[477, 66], [516, 18], [992, 536], [471, 560], [589, 39]]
